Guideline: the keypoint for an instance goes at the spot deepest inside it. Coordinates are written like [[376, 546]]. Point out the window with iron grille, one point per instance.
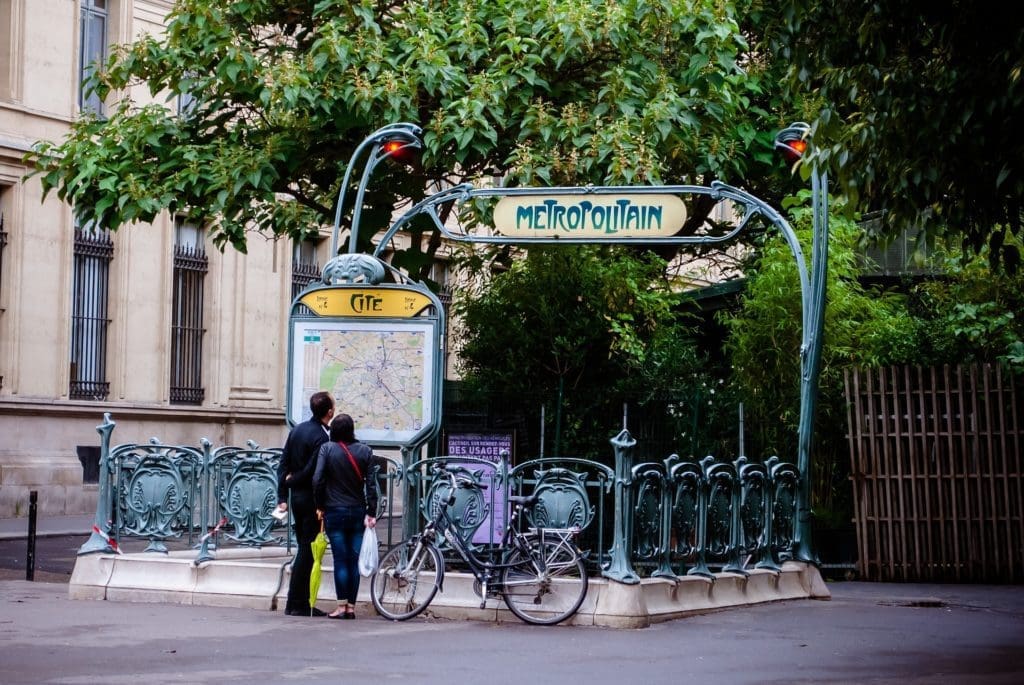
[[190, 267], [899, 257], [92, 254], [440, 273], [92, 50], [305, 269]]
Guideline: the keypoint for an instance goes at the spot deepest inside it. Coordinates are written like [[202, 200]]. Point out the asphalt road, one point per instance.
[[55, 557], [869, 633], [866, 634]]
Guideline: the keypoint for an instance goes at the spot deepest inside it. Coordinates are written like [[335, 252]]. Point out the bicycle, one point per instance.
[[541, 576]]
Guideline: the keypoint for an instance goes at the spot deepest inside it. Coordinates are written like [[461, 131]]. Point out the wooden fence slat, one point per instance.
[[937, 471], [923, 481], [885, 474], [1004, 469], [906, 521], [954, 479], [992, 508], [1017, 452], [909, 488], [1010, 466], [974, 468], [857, 477], [942, 483]]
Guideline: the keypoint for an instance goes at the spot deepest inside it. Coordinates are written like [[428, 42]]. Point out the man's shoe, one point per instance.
[[305, 612]]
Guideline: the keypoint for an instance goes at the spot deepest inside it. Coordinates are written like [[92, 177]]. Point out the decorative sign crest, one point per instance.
[[630, 215]]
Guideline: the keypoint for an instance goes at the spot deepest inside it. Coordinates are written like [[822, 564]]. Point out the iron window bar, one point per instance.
[[190, 267], [93, 252]]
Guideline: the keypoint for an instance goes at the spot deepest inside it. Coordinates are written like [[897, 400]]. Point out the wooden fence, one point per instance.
[[936, 464]]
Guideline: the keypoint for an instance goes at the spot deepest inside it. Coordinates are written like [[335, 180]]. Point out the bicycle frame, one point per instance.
[[482, 570], [538, 573]]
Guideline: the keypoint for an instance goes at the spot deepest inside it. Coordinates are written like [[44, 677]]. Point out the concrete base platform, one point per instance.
[[258, 579]]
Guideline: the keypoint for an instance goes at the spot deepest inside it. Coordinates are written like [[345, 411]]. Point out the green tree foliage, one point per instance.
[[862, 327], [968, 312], [540, 91], [913, 104], [590, 325]]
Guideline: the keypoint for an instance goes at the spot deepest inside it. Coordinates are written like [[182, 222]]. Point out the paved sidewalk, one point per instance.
[[47, 526], [883, 634]]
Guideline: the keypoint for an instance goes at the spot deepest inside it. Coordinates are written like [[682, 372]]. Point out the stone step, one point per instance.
[[258, 579]]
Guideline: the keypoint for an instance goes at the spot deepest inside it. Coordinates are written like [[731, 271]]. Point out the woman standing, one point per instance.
[[345, 495]]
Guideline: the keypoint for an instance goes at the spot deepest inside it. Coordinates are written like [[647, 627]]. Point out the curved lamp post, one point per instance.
[[394, 141], [792, 142]]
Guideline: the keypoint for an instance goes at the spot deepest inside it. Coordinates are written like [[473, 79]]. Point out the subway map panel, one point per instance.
[[381, 378]]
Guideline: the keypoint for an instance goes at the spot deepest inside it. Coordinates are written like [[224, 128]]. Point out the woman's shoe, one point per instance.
[[348, 615]]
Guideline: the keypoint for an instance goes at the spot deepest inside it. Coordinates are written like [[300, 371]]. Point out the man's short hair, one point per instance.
[[320, 403]]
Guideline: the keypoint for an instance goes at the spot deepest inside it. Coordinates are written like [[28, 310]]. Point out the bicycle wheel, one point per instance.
[[545, 597], [406, 580]]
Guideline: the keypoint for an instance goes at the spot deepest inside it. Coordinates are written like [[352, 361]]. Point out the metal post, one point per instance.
[[619, 568], [30, 556], [693, 427], [558, 417], [99, 540], [664, 569], [743, 451], [700, 565], [408, 135], [793, 141], [812, 368], [541, 431], [410, 495]]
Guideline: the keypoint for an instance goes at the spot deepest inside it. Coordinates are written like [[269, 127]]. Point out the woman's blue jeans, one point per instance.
[[344, 527]]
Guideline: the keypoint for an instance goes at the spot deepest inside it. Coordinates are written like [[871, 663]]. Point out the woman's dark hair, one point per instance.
[[343, 429]]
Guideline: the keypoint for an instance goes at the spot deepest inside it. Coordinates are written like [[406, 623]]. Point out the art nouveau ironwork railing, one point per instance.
[[201, 495], [661, 519], [665, 519]]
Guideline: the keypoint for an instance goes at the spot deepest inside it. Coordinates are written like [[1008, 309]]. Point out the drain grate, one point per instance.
[[924, 603]]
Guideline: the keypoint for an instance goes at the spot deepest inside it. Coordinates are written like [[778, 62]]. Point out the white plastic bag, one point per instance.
[[368, 555]]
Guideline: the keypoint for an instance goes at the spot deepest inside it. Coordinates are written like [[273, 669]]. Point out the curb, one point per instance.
[[44, 534]]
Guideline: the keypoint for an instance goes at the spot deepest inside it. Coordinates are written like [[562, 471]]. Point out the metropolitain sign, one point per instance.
[[632, 215]]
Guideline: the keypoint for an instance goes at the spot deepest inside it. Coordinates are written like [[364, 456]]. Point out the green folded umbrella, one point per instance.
[[319, 546]]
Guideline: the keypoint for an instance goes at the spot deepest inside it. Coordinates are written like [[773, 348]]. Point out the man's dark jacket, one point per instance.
[[299, 459]]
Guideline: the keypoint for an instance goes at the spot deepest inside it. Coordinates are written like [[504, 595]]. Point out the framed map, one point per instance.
[[380, 373]]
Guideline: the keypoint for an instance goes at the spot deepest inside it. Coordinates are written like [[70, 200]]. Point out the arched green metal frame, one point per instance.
[[353, 267], [812, 283]]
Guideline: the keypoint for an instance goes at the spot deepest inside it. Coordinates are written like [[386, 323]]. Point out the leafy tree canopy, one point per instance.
[[915, 107], [862, 327], [541, 91], [580, 326], [971, 313]]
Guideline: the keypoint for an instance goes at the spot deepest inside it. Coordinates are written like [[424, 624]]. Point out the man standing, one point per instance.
[[295, 474]]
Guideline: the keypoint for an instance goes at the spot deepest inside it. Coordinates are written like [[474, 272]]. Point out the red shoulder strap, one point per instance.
[[351, 459]]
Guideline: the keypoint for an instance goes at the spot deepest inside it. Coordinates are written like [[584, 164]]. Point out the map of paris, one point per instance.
[[380, 375]]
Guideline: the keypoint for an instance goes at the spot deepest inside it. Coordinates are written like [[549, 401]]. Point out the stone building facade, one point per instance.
[[152, 324]]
